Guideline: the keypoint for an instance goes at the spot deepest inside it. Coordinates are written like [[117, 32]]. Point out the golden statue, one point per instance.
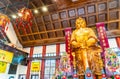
[[85, 49]]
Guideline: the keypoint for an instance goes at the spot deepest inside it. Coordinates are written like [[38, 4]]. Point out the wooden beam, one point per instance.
[[52, 25], [43, 42], [46, 31], [34, 19], [44, 26], [17, 32]]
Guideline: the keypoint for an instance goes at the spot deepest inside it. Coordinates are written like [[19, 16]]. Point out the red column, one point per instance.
[[43, 62], [118, 41], [57, 54], [29, 64]]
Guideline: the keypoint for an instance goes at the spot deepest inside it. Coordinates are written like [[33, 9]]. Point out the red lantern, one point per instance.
[[25, 19], [25, 14], [3, 20]]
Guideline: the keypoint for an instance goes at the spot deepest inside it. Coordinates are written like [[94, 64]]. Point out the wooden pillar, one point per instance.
[[57, 54], [43, 62], [118, 41], [29, 64]]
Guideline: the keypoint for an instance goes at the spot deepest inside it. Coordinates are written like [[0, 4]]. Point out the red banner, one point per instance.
[[102, 35], [67, 42], [103, 38]]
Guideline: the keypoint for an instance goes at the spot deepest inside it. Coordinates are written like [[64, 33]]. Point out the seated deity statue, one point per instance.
[[87, 52]]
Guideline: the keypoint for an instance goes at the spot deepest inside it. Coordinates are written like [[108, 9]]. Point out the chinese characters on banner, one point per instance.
[[102, 35], [3, 66], [35, 66], [67, 43]]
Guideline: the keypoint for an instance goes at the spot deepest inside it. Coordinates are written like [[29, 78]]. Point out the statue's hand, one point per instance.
[[91, 42], [75, 44]]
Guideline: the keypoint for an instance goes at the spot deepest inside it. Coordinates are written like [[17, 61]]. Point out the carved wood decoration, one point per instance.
[[48, 27]]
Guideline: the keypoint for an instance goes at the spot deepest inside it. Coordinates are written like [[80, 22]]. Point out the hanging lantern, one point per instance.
[[25, 19], [3, 20], [25, 14]]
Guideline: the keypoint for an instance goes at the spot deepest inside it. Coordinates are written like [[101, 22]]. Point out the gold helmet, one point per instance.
[[80, 23]]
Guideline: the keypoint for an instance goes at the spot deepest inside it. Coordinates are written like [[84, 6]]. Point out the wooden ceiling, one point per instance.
[[48, 27]]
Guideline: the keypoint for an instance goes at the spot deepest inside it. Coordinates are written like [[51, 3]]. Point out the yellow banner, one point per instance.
[[3, 66], [35, 66], [6, 56]]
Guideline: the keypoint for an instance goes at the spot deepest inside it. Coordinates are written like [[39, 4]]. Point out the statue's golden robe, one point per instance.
[[87, 52]]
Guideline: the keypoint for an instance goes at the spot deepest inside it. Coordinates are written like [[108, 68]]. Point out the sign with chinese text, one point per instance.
[[6, 56], [3, 66], [35, 66]]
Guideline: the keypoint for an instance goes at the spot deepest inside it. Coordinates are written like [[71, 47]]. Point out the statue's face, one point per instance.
[[80, 23]]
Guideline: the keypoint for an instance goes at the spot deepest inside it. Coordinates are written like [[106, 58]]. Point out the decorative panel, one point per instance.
[[113, 4], [102, 7], [39, 20], [91, 20], [34, 29], [56, 25], [63, 15], [113, 26], [71, 13], [113, 15], [24, 38], [59, 33], [46, 18], [81, 11], [91, 9], [36, 36], [72, 22], [48, 26], [51, 34], [41, 27], [55, 16], [64, 24], [43, 35], [102, 17], [31, 37]]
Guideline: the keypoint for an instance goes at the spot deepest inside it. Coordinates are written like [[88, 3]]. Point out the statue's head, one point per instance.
[[80, 23]]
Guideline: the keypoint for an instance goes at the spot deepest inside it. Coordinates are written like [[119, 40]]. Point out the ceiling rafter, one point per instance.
[[35, 21], [44, 41], [54, 35], [46, 31]]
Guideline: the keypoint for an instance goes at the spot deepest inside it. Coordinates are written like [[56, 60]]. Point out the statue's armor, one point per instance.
[[86, 53]]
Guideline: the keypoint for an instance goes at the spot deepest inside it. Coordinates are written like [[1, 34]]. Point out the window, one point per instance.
[[49, 66]]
